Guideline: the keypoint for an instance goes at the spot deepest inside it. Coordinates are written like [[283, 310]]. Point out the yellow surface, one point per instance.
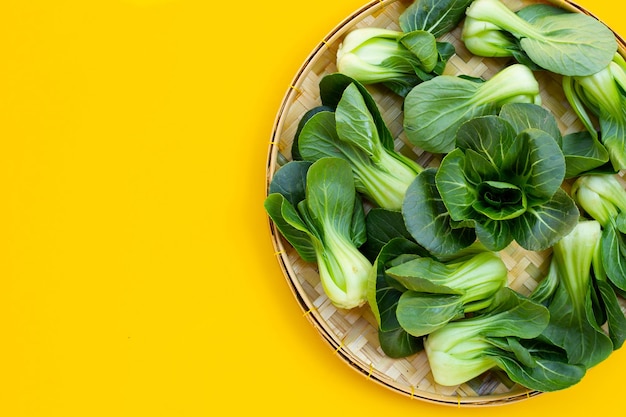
[[137, 276]]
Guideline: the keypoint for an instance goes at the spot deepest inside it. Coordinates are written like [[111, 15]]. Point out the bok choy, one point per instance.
[[502, 181], [396, 59], [504, 337], [602, 95], [401, 59], [569, 292], [316, 208], [439, 292], [349, 126], [435, 109], [603, 198], [565, 43]]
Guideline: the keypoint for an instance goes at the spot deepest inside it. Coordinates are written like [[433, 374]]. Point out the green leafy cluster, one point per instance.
[[599, 100], [348, 125], [402, 59], [540, 35], [316, 208], [603, 198], [580, 299], [502, 182], [546, 37], [434, 110], [420, 245]]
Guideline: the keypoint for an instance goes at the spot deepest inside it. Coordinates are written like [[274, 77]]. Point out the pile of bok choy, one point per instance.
[[420, 245]]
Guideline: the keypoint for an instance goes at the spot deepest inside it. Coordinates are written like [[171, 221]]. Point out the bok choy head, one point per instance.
[[577, 311], [603, 198], [435, 292], [435, 109], [351, 127], [504, 337], [602, 95], [502, 181], [552, 39], [393, 58], [402, 59], [316, 208]]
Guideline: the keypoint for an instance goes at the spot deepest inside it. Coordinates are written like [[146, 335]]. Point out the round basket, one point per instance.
[[352, 334]]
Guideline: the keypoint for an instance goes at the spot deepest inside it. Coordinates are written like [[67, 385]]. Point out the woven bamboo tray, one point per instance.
[[353, 334]]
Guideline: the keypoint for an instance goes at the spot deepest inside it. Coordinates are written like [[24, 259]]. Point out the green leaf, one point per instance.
[[355, 124], [421, 313], [330, 194], [381, 226], [397, 343], [499, 200], [423, 275], [332, 87], [583, 153], [572, 331], [613, 251], [523, 116], [616, 321], [542, 226], [516, 315], [424, 46], [435, 109], [550, 371], [382, 296], [358, 231], [291, 226], [570, 44], [290, 181], [295, 151], [457, 192], [478, 167], [318, 139], [490, 136], [573, 325], [428, 220], [494, 234], [383, 300], [536, 161], [435, 16], [613, 131], [533, 12]]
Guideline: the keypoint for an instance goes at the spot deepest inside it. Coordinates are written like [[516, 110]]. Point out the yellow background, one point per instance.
[[137, 275]]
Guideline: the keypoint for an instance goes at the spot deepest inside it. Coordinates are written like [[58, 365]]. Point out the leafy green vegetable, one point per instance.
[[382, 226], [584, 154], [435, 109], [602, 95], [488, 39], [565, 43], [504, 337], [600, 195], [435, 16], [355, 132], [396, 59], [428, 220], [383, 294], [570, 296], [606, 306], [504, 183], [603, 198], [438, 292], [325, 224], [402, 59]]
